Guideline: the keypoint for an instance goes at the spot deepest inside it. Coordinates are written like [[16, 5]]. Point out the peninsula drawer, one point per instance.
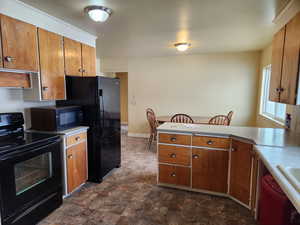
[[179, 139], [174, 155], [176, 175], [76, 138], [212, 142]]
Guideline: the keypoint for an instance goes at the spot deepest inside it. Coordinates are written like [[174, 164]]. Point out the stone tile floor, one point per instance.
[[129, 196]]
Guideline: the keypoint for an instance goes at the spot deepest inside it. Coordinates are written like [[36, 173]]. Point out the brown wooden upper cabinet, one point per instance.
[[72, 57], [88, 60], [19, 44], [285, 63], [240, 171], [80, 59], [51, 65]]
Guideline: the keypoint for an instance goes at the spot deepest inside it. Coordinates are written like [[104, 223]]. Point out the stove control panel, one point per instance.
[[11, 119]]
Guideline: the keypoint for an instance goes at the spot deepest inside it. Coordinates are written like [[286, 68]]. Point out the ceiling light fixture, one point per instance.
[[98, 13], [182, 46]]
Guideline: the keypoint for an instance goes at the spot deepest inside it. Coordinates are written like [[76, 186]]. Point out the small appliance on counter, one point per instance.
[[99, 98], [53, 118], [30, 172]]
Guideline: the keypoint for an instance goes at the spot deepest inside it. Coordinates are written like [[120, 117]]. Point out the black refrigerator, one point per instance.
[[99, 98]]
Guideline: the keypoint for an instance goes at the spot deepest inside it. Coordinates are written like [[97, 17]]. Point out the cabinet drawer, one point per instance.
[[76, 138], [175, 175], [174, 155], [212, 142], [179, 139]]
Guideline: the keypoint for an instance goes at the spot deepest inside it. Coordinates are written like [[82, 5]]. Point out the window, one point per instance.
[[270, 109]]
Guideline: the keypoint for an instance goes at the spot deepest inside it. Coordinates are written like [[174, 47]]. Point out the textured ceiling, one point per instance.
[[151, 27]]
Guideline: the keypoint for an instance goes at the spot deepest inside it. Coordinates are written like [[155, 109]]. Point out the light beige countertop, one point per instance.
[[260, 136], [70, 131], [275, 147], [286, 157]]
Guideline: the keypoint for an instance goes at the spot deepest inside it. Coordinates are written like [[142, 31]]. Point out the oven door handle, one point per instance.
[[16, 154]]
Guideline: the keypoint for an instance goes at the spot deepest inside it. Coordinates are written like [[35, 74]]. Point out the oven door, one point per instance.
[[68, 118], [29, 174]]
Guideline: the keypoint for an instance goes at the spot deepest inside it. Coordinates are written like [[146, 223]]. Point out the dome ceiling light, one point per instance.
[[98, 13], [182, 46]]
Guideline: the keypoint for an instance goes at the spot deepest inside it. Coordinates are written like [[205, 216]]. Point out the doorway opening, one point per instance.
[[123, 76]]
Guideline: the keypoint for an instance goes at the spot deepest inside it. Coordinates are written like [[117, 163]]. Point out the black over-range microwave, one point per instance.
[[55, 118]]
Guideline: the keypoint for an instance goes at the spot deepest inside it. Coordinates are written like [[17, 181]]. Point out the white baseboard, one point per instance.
[[139, 135]]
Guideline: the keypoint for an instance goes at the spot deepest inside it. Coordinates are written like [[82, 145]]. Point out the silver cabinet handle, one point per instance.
[[210, 142], [45, 88], [79, 70], [9, 58], [173, 155], [195, 156], [233, 149], [173, 139], [70, 156], [173, 175], [77, 138]]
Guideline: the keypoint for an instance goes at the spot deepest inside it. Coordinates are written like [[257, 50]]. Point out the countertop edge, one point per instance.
[[70, 131]]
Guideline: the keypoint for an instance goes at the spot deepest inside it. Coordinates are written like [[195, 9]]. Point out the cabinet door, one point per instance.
[[240, 171], [51, 65], [88, 60], [72, 57], [290, 66], [210, 170], [1, 58], [19, 44], [277, 57], [76, 166]]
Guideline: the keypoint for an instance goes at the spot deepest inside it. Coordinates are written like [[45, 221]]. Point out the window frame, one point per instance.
[[265, 90]]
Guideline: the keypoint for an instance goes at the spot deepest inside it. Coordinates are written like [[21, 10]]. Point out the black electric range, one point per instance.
[[30, 172]]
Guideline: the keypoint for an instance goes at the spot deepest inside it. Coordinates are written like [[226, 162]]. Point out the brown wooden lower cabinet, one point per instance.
[[240, 171], [176, 175], [220, 165], [210, 170], [76, 166]]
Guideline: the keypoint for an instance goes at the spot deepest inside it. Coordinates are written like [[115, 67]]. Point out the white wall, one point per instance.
[[114, 64], [11, 100], [199, 85]]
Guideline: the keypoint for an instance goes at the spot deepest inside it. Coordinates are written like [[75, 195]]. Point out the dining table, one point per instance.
[[196, 119]]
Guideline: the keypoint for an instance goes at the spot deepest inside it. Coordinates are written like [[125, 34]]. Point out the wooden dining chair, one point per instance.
[[219, 120], [181, 118], [229, 115], [153, 126]]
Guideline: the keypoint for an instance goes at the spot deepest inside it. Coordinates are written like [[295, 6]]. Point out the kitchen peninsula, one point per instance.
[[226, 160]]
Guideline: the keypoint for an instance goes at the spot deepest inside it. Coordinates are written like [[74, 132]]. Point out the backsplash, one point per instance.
[[11, 100]]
